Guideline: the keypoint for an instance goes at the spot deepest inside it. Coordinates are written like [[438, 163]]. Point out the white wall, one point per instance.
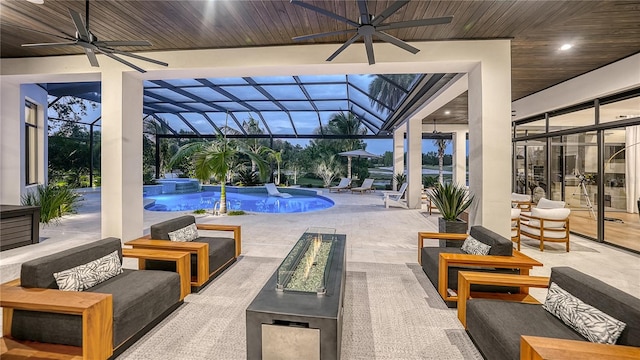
[[12, 133]]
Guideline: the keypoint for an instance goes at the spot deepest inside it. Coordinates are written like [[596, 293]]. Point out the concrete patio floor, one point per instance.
[[374, 234]]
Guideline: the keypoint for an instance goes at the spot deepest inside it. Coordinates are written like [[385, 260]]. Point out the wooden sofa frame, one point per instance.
[[96, 310], [517, 261], [201, 250], [542, 238], [534, 347]]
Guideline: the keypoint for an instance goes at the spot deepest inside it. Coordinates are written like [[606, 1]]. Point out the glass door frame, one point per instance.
[[598, 127]]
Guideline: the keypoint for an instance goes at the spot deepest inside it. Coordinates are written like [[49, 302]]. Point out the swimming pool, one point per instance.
[[254, 202]]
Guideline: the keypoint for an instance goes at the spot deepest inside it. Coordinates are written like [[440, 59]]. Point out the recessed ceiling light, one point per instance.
[[566, 47], [447, 112], [39, 2]]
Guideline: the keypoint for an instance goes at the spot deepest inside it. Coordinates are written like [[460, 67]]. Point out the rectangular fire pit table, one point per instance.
[[298, 312]]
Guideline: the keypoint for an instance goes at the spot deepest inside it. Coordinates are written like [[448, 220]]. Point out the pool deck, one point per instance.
[[374, 234]]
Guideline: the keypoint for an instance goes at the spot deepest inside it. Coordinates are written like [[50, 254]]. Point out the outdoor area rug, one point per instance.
[[391, 311]]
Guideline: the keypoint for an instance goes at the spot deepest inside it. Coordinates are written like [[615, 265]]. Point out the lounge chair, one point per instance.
[[345, 184], [394, 197], [273, 191], [367, 185]]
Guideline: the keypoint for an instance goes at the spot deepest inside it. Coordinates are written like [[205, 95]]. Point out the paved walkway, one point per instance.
[[374, 234]]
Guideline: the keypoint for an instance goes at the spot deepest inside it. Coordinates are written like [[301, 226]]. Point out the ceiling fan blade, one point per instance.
[[388, 12], [395, 41], [137, 68], [124, 53], [80, 28], [368, 44], [51, 44], [66, 37], [92, 57], [364, 12], [412, 23], [122, 43], [331, 33], [344, 46], [325, 12]]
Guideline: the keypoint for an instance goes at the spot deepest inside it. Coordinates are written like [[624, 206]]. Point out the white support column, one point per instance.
[[490, 141], [121, 170], [11, 144], [460, 157], [398, 154], [414, 163]]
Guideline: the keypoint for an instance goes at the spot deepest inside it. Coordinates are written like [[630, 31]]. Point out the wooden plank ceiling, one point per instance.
[[601, 31]]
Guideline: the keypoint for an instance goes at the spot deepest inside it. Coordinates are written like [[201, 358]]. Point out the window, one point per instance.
[[31, 142]]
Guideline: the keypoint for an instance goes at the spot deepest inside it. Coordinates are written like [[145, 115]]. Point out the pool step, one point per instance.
[[187, 187]]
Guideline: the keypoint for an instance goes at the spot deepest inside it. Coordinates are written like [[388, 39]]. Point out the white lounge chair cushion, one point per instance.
[[549, 204], [515, 214], [520, 197], [549, 214], [344, 183]]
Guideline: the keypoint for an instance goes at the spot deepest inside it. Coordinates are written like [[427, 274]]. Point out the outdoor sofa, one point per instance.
[[92, 323], [523, 329], [441, 264], [210, 255]]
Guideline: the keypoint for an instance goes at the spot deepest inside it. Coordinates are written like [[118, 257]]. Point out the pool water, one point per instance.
[[254, 202]]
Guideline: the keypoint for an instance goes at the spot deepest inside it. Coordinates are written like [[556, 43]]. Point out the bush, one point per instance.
[[429, 181], [200, 211], [54, 201], [247, 177], [235, 212]]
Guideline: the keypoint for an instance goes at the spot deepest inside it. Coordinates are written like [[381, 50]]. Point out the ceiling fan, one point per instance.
[[369, 26], [85, 38]]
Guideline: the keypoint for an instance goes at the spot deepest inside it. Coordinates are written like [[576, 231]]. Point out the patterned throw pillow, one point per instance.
[[90, 274], [475, 247], [187, 233], [590, 322]]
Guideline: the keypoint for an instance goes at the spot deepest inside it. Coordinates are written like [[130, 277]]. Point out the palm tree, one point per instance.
[[327, 169], [386, 92], [277, 156], [341, 123], [442, 146], [216, 158], [254, 145]]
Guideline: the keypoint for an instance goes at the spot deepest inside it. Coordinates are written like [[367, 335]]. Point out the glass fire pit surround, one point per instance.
[[306, 267]]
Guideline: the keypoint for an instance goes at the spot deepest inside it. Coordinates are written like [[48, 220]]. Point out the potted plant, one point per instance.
[[451, 200]]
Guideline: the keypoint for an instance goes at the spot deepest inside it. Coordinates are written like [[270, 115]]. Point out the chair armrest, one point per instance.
[[534, 348], [467, 278], [96, 310], [436, 236], [237, 233], [182, 260], [517, 261], [147, 243], [201, 250]]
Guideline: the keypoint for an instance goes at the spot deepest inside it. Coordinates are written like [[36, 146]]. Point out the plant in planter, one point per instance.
[[451, 200], [54, 202]]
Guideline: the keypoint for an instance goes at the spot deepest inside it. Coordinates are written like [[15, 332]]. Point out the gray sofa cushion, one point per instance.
[[221, 249], [604, 297], [499, 245], [495, 326], [160, 231], [38, 273], [430, 259], [139, 297]]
